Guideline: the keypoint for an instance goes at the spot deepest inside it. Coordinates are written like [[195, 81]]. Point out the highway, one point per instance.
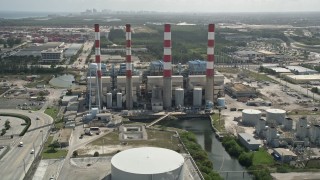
[[17, 161]]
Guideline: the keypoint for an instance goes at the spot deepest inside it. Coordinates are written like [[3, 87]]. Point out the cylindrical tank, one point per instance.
[[147, 163], [271, 134], [104, 100], [275, 116], [197, 97], [221, 102], [288, 123], [119, 100], [94, 111], [250, 117], [156, 93], [179, 97], [109, 100], [93, 67], [260, 126]]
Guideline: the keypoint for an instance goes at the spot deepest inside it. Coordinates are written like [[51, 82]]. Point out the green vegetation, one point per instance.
[[50, 151], [306, 40], [262, 157], [257, 163], [257, 76], [7, 125], [199, 155], [25, 118], [156, 138], [218, 122], [53, 112]]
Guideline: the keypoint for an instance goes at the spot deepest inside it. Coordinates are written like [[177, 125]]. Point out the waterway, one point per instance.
[[217, 154]]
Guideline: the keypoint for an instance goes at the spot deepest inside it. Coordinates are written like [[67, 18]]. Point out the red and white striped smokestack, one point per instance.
[[98, 61], [210, 64], [129, 100], [167, 51], [167, 70]]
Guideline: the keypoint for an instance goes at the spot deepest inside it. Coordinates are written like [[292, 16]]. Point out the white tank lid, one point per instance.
[[147, 160]]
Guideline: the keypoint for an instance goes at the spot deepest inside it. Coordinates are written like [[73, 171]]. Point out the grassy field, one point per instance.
[[218, 124], [47, 153], [262, 157], [301, 112], [257, 76], [156, 138], [53, 112]]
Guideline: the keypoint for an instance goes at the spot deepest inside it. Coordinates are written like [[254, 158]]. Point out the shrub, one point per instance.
[[96, 154], [75, 153], [245, 159]]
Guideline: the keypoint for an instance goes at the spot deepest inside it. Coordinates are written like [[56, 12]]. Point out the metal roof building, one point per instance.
[[147, 163], [248, 141], [301, 70], [197, 67]]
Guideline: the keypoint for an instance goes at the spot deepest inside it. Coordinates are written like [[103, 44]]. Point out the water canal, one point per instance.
[[206, 138]]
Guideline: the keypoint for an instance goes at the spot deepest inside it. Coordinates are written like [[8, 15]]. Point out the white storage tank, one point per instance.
[[276, 116], [179, 97], [119, 100], [109, 100], [221, 102], [147, 163], [197, 97], [250, 117]]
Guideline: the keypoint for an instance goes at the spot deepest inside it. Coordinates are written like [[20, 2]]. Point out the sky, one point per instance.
[[162, 5]]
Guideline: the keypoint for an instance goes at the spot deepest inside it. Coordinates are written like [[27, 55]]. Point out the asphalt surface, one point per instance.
[[17, 161]]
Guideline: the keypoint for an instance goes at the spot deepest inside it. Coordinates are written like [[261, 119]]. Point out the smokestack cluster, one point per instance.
[[98, 61], [209, 96], [129, 100], [167, 70]]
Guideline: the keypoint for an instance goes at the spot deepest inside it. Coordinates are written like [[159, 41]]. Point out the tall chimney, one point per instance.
[[98, 61], [209, 96], [167, 70], [129, 101]]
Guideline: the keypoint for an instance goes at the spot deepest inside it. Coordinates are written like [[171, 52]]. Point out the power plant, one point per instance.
[[163, 87]]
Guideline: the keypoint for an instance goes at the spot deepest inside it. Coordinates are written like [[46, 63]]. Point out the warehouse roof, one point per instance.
[[284, 152], [249, 139]]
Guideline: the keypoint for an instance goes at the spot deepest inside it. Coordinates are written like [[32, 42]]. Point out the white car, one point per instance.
[[32, 151], [20, 144]]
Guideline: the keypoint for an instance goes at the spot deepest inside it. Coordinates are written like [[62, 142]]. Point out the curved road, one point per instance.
[[17, 161]]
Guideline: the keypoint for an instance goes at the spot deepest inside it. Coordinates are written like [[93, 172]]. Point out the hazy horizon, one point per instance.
[[179, 6]]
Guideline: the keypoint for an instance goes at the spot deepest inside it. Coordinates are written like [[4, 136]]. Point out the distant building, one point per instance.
[[64, 137], [249, 141], [51, 56], [197, 67], [237, 90], [299, 70]]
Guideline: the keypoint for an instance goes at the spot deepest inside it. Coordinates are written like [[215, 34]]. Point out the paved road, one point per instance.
[[17, 161]]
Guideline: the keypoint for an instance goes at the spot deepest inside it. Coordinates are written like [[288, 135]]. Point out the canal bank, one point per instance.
[[208, 137]]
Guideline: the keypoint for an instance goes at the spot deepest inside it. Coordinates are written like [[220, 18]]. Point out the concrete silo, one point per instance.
[[179, 97], [197, 97]]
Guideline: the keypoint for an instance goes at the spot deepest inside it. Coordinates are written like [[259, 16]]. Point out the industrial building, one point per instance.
[[299, 70], [123, 87], [147, 163], [299, 79], [284, 155], [237, 90], [249, 141], [51, 56]]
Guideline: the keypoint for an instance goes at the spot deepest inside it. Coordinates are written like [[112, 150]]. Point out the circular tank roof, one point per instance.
[[251, 111], [147, 160], [276, 111]]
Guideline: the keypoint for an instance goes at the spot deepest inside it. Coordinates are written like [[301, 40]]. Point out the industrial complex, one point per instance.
[[99, 101]]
